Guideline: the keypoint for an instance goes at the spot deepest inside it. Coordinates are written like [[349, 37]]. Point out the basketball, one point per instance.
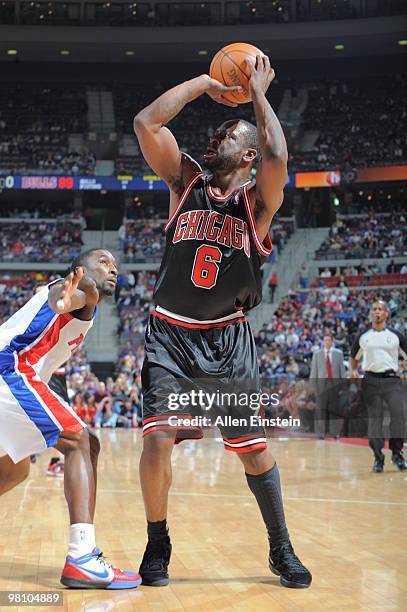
[[229, 67]]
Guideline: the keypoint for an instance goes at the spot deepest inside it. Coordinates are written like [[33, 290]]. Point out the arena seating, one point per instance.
[[39, 240], [361, 236], [143, 239], [301, 319], [368, 114], [373, 280], [15, 291], [35, 123]]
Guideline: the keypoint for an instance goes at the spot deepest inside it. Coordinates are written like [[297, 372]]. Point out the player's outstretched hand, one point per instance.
[[69, 287], [261, 73], [215, 90]]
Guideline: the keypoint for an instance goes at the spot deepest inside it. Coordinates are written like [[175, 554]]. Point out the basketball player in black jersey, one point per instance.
[[216, 238]]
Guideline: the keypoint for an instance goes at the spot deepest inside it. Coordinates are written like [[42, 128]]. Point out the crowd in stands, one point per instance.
[[134, 302], [359, 123], [361, 236], [35, 123], [362, 275], [43, 241], [296, 329], [114, 403], [42, 210], [15, 291], [142, 239]]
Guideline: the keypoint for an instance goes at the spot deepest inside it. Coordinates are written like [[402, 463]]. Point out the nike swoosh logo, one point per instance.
[[105, 573]]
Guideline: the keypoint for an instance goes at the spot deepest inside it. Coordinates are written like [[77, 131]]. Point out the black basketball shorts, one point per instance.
[[196, 375]]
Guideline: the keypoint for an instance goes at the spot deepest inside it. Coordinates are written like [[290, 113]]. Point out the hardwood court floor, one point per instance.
[[347, 524]]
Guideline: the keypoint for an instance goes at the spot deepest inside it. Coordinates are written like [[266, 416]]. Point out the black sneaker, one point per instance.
[[154, 566], [400, 462], [284, 562], [378, 465]]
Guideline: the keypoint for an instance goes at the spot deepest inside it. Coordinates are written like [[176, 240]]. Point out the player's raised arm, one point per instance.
[[66, 296], [271, 174], [158, 144]]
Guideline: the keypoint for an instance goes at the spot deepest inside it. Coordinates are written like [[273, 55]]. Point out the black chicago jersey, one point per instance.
[[211, 264]]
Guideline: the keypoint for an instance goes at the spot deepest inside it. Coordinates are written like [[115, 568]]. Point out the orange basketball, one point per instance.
[[229, 67]]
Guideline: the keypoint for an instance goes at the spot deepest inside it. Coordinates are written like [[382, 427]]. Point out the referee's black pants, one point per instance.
[[377, 394]]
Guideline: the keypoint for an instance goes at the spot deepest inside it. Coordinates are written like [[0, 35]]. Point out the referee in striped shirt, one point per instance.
[[379, 348]]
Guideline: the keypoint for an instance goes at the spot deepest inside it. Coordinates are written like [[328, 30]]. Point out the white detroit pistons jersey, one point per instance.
[[37, 336]]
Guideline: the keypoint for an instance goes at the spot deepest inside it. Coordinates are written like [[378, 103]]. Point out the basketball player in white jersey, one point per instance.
[[34, 342]]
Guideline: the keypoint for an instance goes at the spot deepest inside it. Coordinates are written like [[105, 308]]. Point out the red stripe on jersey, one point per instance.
[[184, 196], [67, 420], [223, 198], [197, 325], [49, 339]]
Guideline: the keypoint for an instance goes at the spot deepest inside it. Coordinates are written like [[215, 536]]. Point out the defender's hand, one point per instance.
[[215, 90], [261, 73], [69, 287]]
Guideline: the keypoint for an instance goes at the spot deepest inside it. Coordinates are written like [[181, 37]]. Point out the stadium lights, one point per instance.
[[339, 47], [12, 52], [65, 52], [129, 52], [202, 52], [403, 43]]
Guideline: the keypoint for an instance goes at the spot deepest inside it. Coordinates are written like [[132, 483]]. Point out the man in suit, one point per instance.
[[327, 368]]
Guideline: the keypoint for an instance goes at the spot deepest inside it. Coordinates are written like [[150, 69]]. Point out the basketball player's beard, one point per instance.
[[223, 162], [107, 289]]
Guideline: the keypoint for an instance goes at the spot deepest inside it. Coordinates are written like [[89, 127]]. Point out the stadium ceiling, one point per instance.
[[359, 37]]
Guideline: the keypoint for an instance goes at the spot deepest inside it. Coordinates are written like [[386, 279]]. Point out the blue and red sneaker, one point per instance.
[[91, 571]]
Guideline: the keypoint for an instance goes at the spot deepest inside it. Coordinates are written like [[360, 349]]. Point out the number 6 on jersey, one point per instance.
[[205, 269]]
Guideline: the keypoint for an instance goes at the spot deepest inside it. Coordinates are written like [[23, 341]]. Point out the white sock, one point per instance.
[[81, 539]]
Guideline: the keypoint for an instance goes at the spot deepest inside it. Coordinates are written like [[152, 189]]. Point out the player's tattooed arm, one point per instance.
[[158, 144], [176, 183]]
